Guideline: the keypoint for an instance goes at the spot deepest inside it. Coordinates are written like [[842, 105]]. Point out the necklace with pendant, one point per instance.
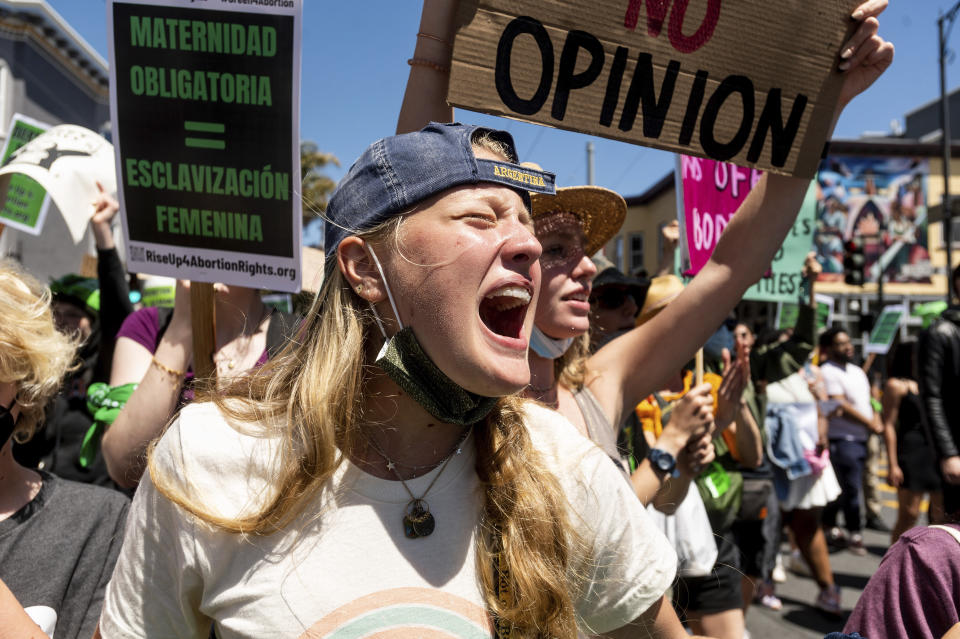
[[227, 360], [418, 521]]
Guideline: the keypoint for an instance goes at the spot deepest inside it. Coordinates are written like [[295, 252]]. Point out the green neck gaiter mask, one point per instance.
[[408, 365]]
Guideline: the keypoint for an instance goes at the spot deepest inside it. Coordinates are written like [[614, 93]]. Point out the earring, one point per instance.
[[359, 289]]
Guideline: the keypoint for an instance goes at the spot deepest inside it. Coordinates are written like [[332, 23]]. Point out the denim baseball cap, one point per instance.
[[397, 172]]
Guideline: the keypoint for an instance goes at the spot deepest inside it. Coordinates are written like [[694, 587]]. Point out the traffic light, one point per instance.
[[854, 262]]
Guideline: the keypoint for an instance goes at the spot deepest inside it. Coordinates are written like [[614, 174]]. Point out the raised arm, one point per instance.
[[639, 362], [425, 99], [160, 376], [114, 292]]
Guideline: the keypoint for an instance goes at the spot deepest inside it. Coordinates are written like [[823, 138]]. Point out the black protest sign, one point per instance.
[[205, 112]]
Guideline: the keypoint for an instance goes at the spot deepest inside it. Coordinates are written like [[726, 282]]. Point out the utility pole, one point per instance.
[[590, 163], [948, 20]]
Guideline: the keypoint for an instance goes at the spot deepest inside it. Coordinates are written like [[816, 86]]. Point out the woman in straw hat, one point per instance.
[[572, 225]]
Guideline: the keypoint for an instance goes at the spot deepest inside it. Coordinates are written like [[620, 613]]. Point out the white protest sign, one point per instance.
[[67, 161]]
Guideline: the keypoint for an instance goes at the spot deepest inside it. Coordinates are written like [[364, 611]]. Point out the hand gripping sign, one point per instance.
[[752, 82]]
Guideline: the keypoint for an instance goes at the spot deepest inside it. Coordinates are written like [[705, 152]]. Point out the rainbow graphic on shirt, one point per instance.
[[401, 613]]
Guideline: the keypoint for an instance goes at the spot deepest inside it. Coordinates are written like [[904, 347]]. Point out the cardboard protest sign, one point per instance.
[[752, 82], [26, 203], [885, 329], [788, 312], [205, 108], [67, 161], [708, 195]]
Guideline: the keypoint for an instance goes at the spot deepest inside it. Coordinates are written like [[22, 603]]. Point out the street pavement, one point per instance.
[[799, 619]]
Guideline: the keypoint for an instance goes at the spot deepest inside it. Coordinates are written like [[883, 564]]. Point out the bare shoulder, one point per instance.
[[896, 387]]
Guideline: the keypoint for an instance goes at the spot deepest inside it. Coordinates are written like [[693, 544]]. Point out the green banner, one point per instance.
[[885, 329], [788, 312], [26, 203], [783, 283]]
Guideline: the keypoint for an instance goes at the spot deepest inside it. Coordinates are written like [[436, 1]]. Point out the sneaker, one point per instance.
[[856, 545], [772, 602], [828, 601], [798, 565], [765, 596], [778, 574], [836, 538]]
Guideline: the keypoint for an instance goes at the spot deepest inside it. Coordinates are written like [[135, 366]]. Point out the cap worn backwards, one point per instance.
[[397, 172]]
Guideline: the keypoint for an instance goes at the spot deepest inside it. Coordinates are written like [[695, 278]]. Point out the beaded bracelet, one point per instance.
[[166, 369], [430, 36], [420, 62]]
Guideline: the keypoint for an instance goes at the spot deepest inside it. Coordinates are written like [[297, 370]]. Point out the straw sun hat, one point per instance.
[[662, 291], [601, 211]]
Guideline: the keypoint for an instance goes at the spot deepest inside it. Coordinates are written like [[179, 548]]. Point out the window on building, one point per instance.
[[618, 251], [635, 258]]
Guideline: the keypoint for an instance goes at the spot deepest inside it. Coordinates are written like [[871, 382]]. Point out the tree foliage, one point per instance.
[[316, 187]]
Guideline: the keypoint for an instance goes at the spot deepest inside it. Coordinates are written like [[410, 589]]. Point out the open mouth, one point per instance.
[[503, 310]]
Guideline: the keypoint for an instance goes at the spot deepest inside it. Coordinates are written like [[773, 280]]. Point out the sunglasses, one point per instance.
[[610, 298]]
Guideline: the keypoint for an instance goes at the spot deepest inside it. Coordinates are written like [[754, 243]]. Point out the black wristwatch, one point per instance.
[[663, 462]]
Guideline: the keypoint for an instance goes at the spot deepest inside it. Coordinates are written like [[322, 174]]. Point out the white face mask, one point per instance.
[[376, 315], [548, 347], [403, 359]]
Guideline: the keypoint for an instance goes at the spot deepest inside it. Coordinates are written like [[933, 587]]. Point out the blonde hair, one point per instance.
[[311, 396], [570, 369], [34, 355]]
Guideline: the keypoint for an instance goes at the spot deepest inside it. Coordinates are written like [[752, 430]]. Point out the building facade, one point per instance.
[[884, 191], [51, 74]]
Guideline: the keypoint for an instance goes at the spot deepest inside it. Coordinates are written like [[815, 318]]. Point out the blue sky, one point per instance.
[[355, 69]]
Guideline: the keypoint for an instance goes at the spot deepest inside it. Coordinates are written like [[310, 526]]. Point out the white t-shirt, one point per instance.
[[346, 568], [850, 382]]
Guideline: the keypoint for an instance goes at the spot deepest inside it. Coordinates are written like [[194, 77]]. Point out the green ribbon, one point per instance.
[[104, 403]]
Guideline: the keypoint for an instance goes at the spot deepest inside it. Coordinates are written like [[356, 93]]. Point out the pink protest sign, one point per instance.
[[712, 192]]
